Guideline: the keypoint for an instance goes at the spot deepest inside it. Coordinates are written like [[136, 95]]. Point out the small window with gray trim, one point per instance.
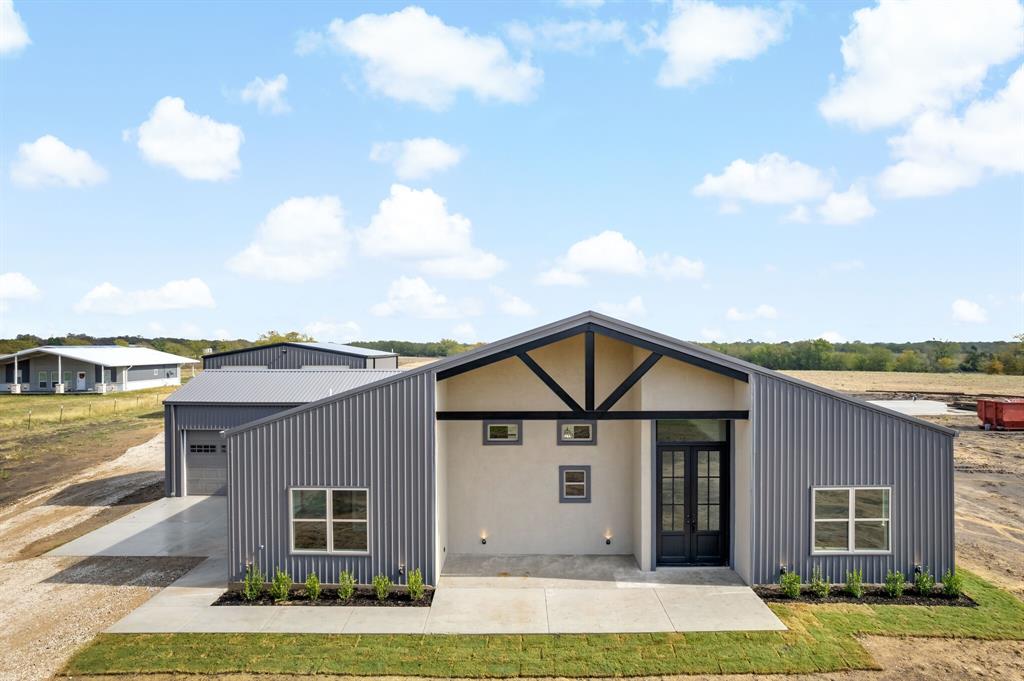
[[577, 432], [574, 484], [503, 432]]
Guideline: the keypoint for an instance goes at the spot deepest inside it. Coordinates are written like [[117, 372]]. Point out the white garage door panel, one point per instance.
[[206, 465]]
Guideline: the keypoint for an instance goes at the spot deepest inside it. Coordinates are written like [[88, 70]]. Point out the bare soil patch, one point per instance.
[[914, 383]]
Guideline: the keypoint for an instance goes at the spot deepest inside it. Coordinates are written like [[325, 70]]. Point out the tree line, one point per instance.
[[992, 357]]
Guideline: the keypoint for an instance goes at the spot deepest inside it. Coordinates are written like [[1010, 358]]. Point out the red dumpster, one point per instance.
[[1004, 413]]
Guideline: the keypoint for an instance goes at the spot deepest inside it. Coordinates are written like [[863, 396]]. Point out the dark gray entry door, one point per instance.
[[206, 463], [692, 508]]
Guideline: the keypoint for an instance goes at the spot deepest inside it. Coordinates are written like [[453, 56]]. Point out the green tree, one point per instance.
[[874, 358], [911, 360], [289, 337]]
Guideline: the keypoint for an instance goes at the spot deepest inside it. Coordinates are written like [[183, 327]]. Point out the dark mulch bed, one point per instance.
[[364, 596], [873, 595]]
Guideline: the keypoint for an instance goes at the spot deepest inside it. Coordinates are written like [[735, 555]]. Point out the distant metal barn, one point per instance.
[[195, 454], [299, 355]]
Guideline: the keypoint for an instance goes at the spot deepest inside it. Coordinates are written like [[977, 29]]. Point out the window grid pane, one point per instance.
[[864, 524]]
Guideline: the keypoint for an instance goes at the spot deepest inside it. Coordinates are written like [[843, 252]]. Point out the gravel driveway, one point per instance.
[[52, 605]]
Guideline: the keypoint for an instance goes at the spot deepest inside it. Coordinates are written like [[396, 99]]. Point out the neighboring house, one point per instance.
[[295, 355], [195, 452], [589, 436], [89, 368]]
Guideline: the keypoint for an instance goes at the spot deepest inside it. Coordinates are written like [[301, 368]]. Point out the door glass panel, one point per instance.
[[666, 465], [714, 488], [679, 493], [680, 459], [713, 463], [702, 490], [679, 517], [702, 516], [666, 517], [666, 490], [702, 463], [714, 513]]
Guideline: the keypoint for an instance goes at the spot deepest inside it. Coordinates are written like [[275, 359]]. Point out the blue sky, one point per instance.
[[713, 171]]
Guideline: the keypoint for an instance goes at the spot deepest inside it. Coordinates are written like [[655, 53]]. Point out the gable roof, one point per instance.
[[590, 319], [105, 355], [273, 386], [337, 348]]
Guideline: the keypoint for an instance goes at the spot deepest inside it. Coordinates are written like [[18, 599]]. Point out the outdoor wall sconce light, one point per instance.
[[608, 538], [483, 537], [918, 569], [782, 570]]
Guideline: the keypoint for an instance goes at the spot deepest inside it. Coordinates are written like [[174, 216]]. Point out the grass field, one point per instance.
[[821, 638], [895, 381]]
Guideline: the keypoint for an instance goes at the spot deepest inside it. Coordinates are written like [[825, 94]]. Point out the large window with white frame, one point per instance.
[[329, 520], [851, 520]]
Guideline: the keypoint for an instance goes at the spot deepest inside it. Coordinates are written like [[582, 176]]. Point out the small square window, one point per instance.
[[503, 432], [577, 432], [574, 484]]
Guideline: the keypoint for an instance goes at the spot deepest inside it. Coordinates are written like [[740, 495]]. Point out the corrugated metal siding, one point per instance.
[[381, 439], [283, 386], [145, 373], [178, 418], [276, 357], [804, 439]]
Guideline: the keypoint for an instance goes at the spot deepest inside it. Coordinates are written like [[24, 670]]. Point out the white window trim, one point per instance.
[[566, 483], [851, 532], [329, 520]]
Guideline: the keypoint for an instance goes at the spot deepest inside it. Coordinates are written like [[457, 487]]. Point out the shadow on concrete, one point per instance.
[[144, 571], [97, 492]]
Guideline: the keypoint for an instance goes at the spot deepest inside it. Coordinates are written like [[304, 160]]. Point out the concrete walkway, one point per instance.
[[475, 595]]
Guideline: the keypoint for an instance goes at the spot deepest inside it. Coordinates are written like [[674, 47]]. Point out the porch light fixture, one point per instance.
[[918, 569], [608, 537], [782, 570], [483, 537]]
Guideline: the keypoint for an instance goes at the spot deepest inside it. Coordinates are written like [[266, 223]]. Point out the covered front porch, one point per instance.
[[590, 594]]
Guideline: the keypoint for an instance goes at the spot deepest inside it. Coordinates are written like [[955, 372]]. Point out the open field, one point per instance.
[[859, 382]]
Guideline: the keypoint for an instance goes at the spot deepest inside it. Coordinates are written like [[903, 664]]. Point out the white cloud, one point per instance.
[[330, 331], [48, 161], [464, 333], [16, 286], [799, 214], [773, 178], [581, 4], [511, 304], [267, 94], [905, 57], [416, 224], [702, 36], [181, 294], [846, 208], [414, 297], [417, 158], [196, 146], [760, 312], [13, 35], [670, 267], [968, 311], [308, 42], [832, 337], [847, 265], [412, 56], [302, 238], [940, 153], [612, 253], [710, 334], [632, 309], [567, 36]]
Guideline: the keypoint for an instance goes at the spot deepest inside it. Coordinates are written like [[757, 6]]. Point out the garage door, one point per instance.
[[206, 462]]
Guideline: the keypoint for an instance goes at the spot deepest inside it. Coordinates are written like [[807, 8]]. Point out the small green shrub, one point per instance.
[[924, 582], [252, 584], [952, 584], [819, 585], [790, 583], [415, 585], [346, 585], [855, 583], [381, 587], [280, 586], [895, 582], [313, 587]]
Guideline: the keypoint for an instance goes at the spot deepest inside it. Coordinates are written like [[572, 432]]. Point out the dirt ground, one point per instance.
[[53, 605], [904, 382]]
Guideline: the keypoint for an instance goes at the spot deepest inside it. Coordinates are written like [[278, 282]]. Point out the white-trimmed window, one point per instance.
[[43, 375], [577, 432], [325, 520], [851, 520], [574, 484], [503, 432]]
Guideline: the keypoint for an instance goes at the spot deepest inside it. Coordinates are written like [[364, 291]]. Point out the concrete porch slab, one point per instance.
[[488, 611], [717, 608], [371, 620], [572, 611]]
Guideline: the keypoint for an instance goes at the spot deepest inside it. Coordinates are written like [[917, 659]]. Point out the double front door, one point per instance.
[[692, 505]]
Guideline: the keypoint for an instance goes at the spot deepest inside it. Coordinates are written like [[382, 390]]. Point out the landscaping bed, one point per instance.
[[873, 595], [363, 596]]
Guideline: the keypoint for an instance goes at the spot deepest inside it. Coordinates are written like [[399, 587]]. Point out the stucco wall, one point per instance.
[[511, 492]]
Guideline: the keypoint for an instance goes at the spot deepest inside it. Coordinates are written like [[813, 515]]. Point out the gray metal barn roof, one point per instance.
[[105, 355], [326, 347], [273, 386]]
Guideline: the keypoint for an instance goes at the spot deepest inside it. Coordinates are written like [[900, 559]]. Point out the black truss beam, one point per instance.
[[591, 415], [630, 381], [588, 369], [550, 382]]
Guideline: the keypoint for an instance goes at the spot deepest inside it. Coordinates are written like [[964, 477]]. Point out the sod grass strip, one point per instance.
[[821, 638]]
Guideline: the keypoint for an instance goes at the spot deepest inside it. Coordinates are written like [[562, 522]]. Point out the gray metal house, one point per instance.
[[298, 355], [89, 368], [195, 454], [589, 436]]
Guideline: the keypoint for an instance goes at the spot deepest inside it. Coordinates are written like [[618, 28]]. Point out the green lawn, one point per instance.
[[821, 638]]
